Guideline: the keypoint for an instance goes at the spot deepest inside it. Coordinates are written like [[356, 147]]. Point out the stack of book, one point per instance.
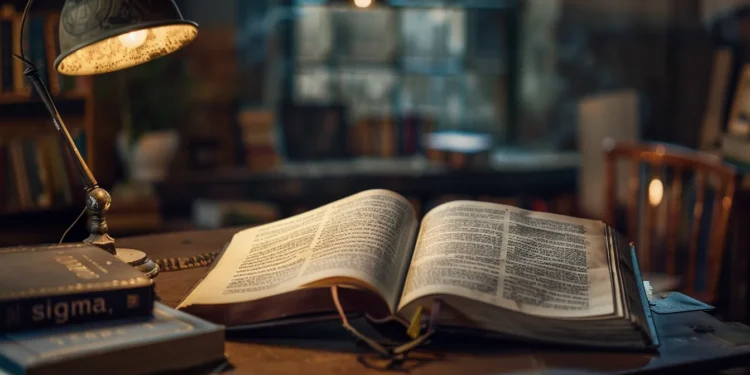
[[78, 309]]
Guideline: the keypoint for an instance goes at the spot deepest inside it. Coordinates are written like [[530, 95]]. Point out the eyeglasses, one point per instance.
[[399, 351]]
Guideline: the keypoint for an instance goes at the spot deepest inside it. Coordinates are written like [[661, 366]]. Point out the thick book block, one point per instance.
[[168, 340], [58, 285]]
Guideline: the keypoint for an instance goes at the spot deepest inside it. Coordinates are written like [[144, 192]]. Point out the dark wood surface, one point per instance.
[[682, 346]]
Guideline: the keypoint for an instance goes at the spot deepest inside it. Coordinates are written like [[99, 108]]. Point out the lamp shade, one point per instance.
[[100, 36]]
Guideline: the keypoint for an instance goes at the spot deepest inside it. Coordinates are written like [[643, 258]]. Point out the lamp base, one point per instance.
[[139, 260]]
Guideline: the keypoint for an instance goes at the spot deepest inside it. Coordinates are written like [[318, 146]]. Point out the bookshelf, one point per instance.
[[40, 192], [15, 98], [344, 82], [295, 187]]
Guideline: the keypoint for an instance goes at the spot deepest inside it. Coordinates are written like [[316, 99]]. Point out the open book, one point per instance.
[[496, 269]]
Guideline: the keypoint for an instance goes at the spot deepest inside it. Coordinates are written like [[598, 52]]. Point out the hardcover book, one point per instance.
[[169, 340], [46, 286], [488, 267]]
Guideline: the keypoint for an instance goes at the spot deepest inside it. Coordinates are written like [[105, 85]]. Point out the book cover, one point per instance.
[[52, 49], [409, 136], [10, 192], [52, 170], [18, 164], [36, 49], [54, 285], [168, 340], [387, 138], [6, 52], [33, 173], [314, 132], [21, 85]]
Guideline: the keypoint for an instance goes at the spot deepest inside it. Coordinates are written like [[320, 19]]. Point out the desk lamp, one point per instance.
[[100, 36]]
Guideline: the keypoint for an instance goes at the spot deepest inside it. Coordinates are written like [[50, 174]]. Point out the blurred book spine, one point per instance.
[[259, 139], [20, 83], [36, 173], [52, 49], [6, 48], [40, 47], [36, 49], [387, 137]]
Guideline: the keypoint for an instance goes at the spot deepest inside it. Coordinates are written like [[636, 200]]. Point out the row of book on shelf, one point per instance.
[[317, 132], [36, 173], [40, 47], [213, 214]]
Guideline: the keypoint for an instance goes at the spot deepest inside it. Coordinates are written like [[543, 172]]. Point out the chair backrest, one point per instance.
[[686, 177]]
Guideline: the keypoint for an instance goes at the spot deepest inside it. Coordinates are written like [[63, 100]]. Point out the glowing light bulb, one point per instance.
[[362, 3], [133, 39], [655, 192]]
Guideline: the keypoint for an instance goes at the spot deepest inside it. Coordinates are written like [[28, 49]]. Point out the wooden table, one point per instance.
[[683, 344]]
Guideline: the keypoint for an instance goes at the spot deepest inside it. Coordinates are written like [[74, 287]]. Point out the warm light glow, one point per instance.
[[655, 192], [133, 39], [362, 3], [112, 54]]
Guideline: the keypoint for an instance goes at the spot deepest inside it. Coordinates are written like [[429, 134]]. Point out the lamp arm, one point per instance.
[[98, 200]]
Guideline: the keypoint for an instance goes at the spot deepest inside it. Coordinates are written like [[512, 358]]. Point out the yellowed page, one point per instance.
[[367, 236], [537, 263]]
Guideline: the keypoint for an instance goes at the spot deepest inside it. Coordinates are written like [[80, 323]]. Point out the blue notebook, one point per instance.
[[170, 340]]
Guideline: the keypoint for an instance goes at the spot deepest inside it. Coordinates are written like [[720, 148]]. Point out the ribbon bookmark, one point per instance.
[[415, 325]]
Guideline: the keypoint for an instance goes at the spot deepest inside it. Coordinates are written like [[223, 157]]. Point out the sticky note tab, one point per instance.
[[416, 324]]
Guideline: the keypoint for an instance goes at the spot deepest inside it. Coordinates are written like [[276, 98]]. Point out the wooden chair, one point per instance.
[[691, 175]]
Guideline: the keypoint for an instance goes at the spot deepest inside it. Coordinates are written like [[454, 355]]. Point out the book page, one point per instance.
[[536, 263], [367, 236]]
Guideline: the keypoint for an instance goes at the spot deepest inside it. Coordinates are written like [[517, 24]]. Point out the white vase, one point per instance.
[[148, 159]]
